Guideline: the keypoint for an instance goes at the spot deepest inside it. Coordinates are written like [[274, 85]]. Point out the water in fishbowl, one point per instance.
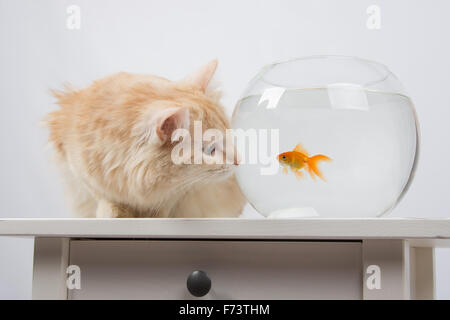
[[369, 136]]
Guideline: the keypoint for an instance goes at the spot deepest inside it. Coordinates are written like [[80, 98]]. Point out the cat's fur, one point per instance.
[[113, 141]]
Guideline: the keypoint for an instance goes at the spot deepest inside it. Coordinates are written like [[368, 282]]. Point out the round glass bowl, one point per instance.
[[325, 136]]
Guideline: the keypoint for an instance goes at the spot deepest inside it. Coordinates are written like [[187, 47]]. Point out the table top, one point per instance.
[[422, 232]]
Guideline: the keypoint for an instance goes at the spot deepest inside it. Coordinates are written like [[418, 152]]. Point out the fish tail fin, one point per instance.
[[312, 165], [311, 173]]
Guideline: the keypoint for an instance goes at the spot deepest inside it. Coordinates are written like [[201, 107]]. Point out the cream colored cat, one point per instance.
[[113, 141]]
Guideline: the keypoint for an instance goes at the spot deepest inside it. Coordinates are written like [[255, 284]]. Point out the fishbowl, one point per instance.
[[325, 136]]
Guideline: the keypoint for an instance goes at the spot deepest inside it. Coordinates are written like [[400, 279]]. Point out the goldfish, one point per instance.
[[299, 159]]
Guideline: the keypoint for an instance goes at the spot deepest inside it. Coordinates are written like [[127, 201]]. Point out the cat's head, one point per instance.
[[183, 131]]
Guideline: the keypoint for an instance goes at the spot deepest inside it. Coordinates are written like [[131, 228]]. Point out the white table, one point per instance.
[[244, 258]]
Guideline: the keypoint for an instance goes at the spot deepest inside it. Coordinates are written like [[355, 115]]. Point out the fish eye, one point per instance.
[[284, 157]]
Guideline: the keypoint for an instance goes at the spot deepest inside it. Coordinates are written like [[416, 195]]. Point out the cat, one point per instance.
[[113, 143]]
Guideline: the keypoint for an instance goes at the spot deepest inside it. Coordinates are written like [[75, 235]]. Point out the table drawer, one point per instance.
[[158, 269]]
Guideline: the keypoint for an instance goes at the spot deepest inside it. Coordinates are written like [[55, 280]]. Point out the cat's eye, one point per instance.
[[210, 150]]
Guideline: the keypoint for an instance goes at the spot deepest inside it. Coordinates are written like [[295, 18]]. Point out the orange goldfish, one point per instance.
[[299, 159]]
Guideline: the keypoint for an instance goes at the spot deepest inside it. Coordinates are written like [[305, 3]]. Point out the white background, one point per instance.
[[170, 38]]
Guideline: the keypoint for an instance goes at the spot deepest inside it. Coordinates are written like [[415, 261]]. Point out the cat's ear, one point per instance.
[[168, 120], [203, 75]]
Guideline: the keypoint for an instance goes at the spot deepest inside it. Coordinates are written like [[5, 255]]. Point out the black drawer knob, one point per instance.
[[198, 283]]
